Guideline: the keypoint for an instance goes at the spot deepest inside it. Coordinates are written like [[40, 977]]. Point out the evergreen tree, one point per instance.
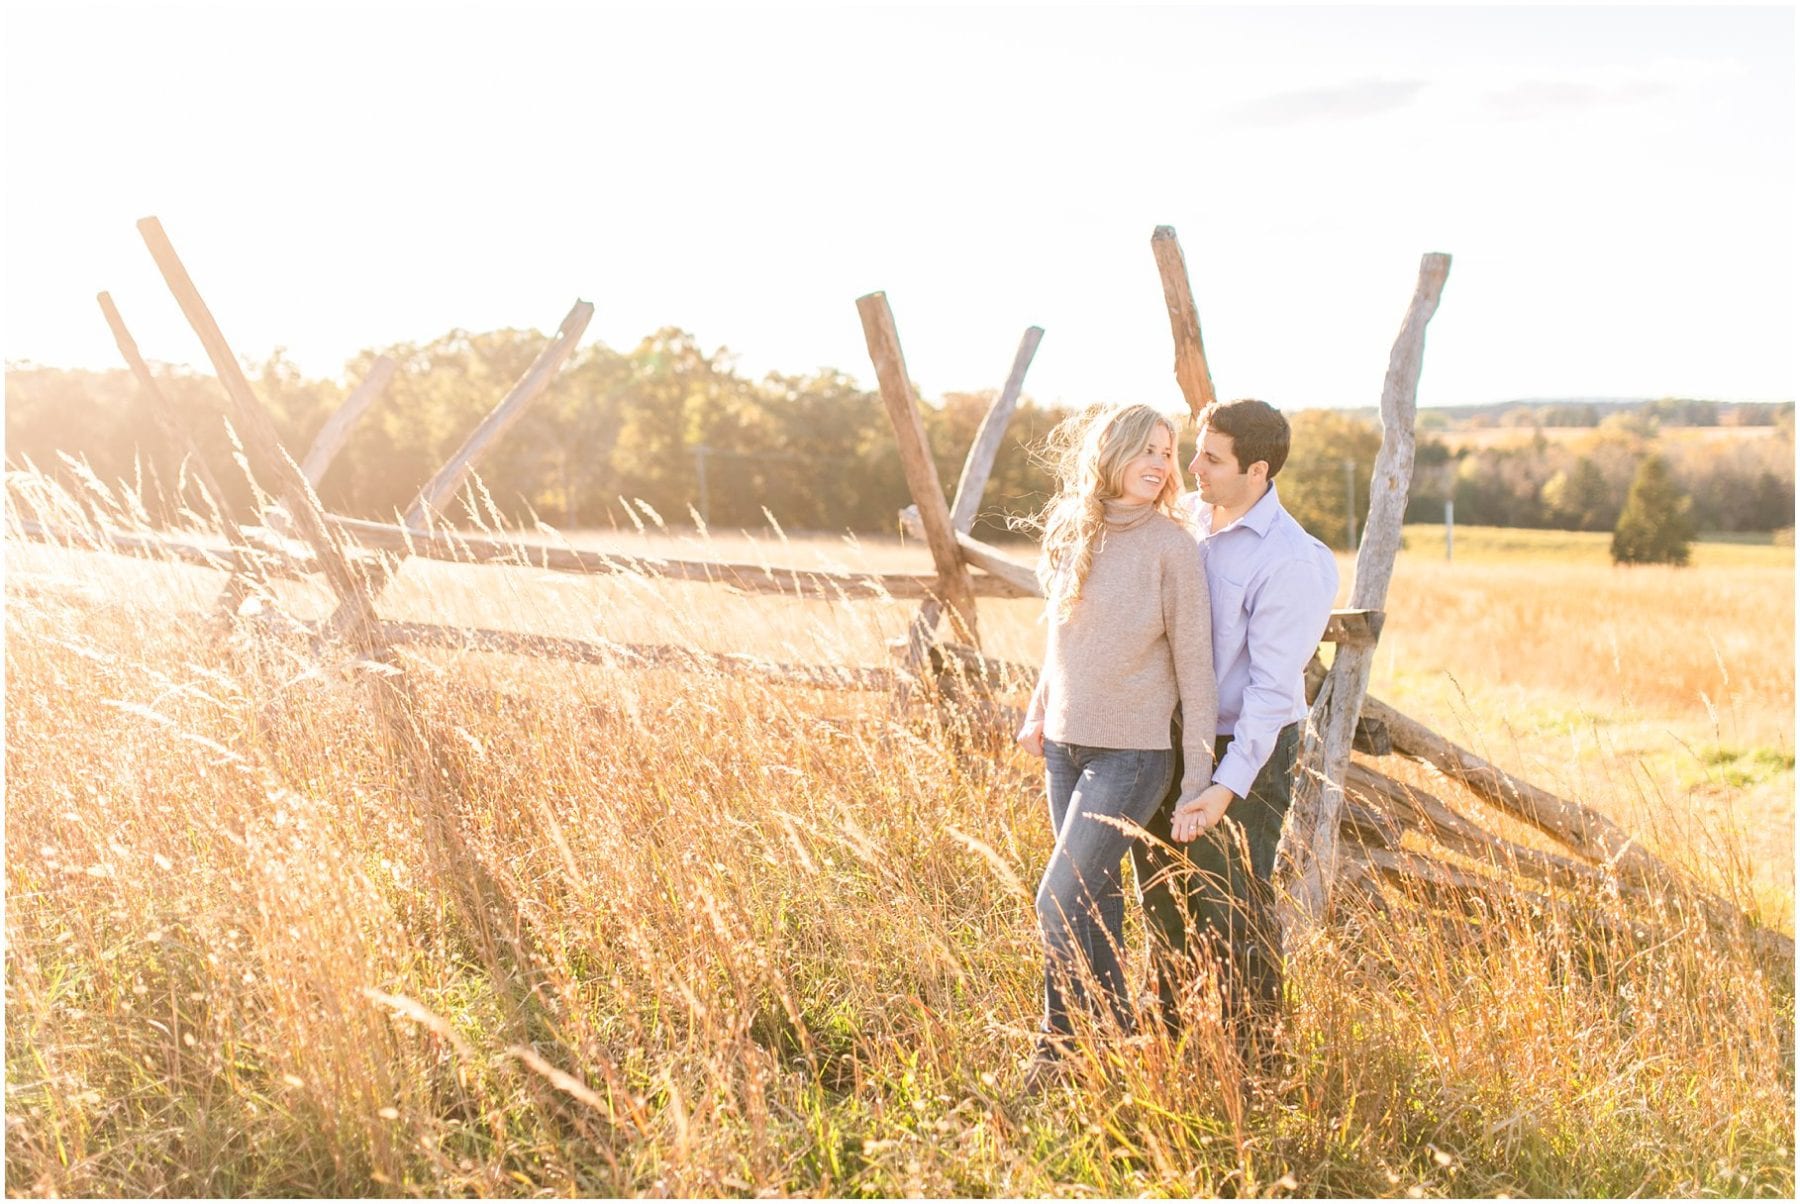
[[1654, 528]]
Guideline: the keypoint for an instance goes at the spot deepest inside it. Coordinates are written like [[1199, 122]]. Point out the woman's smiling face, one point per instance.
[[1149, 472]]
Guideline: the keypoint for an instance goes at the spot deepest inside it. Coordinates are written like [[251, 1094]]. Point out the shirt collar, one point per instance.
[[1258, 518]]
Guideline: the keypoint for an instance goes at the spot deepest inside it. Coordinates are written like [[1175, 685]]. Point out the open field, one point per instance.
[[1523, 546], [682, 933], [1598, 682], [1521, 436]]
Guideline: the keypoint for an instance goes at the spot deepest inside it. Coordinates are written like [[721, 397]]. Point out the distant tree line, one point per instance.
[[680, 428], [1668, 411], [649, 424], [1581, 483]]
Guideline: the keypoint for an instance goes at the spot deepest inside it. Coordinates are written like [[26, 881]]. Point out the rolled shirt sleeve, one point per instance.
[[1286, 618]]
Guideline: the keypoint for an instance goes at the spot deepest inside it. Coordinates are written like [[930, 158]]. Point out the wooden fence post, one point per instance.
[[336, 432], [258, 432], [921, 472], [1191, 371], [181, 441], [1309, 845], [978, 465], [433, 776], [445, 483]]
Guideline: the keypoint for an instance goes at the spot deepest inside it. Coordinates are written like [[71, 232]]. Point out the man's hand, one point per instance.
[[1031, 737], [1200, 813]]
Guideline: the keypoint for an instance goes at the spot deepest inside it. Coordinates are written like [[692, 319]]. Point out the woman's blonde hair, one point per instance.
[[1088, 454]]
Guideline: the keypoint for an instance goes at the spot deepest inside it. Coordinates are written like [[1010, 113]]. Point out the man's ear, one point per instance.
[[1258, 470]]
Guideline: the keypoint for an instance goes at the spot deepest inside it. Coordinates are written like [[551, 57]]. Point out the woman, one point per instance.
[[1130, 641]]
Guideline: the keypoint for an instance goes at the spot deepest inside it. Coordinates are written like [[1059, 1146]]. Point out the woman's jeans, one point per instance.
[[1081, 901]]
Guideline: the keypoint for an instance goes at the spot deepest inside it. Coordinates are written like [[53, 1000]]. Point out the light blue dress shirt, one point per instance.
[[1272, 586]]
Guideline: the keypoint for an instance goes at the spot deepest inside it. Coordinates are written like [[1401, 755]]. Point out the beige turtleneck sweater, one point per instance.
[[1138, 641]]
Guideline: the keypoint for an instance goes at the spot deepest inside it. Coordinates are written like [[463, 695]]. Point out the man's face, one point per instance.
[[1216, 473]]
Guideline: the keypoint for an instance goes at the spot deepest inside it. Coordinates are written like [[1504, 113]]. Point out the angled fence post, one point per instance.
[[1191, 370], [434, 777], [263, 443], [978, 465], [921, 473], [336, 432], [1308, 856], [436, 493], [181, 441], [445, 483]]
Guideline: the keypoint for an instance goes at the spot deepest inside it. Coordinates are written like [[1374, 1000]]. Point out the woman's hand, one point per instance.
[[1031, 737], [1200, 813]]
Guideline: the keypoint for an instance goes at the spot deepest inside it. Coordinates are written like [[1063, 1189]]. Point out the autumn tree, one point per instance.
[[1577, 498], [1315, 486]]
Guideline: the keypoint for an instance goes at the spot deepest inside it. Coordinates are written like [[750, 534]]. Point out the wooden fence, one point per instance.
[[1352, 827]]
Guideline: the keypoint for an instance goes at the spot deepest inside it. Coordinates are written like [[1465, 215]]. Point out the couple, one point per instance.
[[1170, 700]]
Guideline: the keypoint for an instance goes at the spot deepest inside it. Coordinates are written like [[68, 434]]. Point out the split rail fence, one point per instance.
[[1353, 827]]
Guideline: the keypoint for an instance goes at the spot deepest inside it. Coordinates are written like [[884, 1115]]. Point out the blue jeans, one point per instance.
[[1081, 901]]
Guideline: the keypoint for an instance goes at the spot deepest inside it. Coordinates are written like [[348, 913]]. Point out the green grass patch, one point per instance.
[[1747, 766]]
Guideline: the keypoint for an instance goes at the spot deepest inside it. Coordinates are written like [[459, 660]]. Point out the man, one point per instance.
[[1271, 586]]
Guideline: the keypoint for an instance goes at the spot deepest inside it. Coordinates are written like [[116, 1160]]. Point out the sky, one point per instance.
[[1615, 186]]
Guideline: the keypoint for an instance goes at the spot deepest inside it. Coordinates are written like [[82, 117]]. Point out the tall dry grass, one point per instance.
[[683, 933], [1663, 697]]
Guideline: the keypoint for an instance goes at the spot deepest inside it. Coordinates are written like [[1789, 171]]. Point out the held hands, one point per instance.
[[1031, 737], [1200, 813]]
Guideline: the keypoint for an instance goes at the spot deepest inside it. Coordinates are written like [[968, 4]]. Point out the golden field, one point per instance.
[[685, 933], [1458, 438]]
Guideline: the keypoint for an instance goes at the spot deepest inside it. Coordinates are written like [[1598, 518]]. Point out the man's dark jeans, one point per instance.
[[1218, 901], [1081, 901]]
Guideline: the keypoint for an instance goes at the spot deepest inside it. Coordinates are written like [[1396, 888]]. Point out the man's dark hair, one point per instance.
[[1257, 430]]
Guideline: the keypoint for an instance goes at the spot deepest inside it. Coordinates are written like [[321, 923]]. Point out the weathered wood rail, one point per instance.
[[461, 547], [263, 550]]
